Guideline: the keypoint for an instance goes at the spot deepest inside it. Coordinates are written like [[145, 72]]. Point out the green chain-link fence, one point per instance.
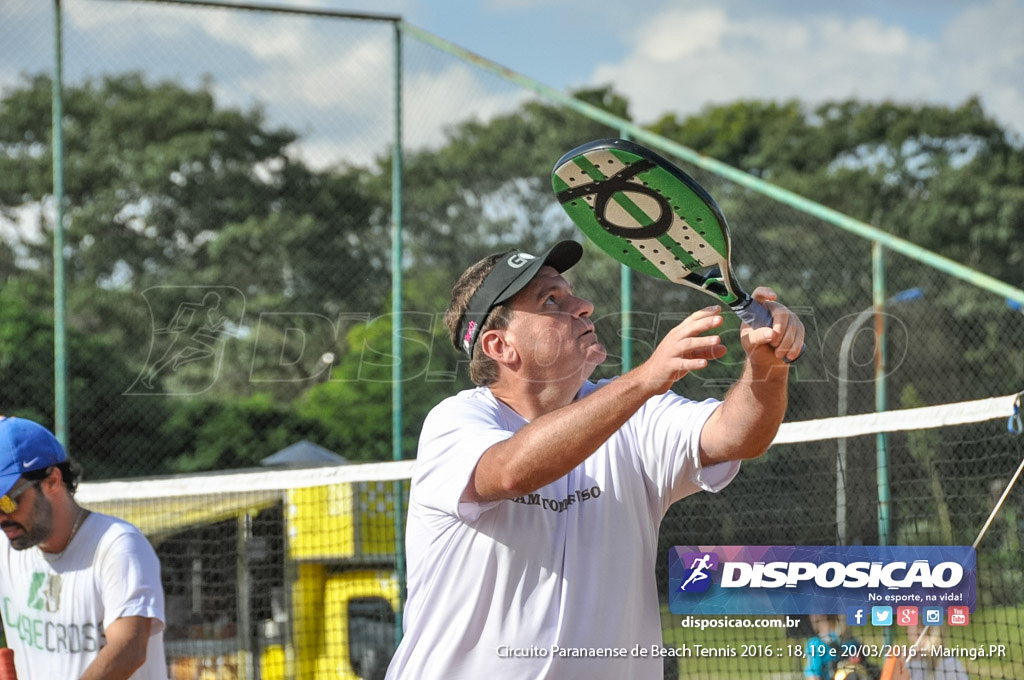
[[228, 247]]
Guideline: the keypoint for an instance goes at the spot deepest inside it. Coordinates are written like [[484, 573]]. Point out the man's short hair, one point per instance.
[[482, 369], [70, 473]]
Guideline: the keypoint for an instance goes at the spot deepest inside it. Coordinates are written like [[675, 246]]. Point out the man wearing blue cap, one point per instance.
[[537, 497], [80, 591]]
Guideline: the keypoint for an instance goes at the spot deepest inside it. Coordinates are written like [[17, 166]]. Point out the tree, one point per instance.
[[948, 179], [160, 162], [217, 435], [110, 435], [930, 174], [354, 404], [169, 192], [165, 187]]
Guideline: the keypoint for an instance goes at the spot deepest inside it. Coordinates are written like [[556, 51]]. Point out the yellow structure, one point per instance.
[[322, 605], [330, 530], [341, 521], [339, 581]]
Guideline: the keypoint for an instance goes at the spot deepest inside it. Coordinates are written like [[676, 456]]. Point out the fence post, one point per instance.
[[396, 330], [60, 392], [881, 385]]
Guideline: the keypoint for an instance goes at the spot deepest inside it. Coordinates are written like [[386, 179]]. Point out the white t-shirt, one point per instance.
[[56, 609], [558, 583]]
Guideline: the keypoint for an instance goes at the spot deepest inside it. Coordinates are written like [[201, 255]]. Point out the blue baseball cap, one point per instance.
[[25, 446]]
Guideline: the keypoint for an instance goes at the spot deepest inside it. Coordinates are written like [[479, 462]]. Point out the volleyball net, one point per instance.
[[292, 572]]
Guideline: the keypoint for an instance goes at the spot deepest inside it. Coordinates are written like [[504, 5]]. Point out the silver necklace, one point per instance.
[[82, 514]]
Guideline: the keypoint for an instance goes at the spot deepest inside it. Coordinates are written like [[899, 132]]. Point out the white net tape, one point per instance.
[[295, 478], [944, 415]]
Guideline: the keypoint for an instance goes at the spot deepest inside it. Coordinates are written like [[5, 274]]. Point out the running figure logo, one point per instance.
[[193, 336], [697, 575]]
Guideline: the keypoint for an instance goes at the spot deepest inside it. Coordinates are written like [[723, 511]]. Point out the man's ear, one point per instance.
[[494, 344], [55, 479]]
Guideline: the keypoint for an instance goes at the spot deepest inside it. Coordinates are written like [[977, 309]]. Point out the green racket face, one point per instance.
[[653, 218]]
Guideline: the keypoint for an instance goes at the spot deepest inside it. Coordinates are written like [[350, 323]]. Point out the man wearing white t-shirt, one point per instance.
[[80, 591], [537, 497]]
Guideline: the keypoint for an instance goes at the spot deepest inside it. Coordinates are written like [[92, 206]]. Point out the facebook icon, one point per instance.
[[855, 616]]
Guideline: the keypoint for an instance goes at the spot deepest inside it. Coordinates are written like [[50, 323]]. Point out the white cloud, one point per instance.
[[290, 40], [683, 60], [350, 80], [984, 54], [115, 24], [438, 99], [432, 101], [331, 80], [679, 34]]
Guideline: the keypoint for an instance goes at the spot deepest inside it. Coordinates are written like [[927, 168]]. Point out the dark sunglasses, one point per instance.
[[9, 501]]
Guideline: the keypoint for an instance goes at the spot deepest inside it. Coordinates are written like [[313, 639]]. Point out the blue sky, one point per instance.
[[678, 55], [665, 56]]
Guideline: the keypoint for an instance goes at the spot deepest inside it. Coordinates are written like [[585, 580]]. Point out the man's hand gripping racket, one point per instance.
[[648, 214]]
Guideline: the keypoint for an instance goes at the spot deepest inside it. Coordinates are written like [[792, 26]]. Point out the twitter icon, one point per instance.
[[881, 616]]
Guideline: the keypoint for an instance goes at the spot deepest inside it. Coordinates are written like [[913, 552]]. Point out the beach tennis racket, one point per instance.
[[648, 214]]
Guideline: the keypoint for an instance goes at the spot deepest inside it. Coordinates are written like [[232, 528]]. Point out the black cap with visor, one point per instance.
[[511, 273]]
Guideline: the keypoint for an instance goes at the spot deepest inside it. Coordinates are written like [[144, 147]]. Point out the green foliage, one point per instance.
[[150, 171], [319, 249], [924, 445], [489, 186], [26, 351], [233, 434], [948, 179], [110, 434], [167, 190], [354, 407]]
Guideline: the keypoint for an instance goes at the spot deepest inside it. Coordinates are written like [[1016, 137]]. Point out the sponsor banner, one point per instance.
[[818, 579]]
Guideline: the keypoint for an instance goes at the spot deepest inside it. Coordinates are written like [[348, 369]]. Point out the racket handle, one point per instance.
[[755, 315], [7, 671]]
